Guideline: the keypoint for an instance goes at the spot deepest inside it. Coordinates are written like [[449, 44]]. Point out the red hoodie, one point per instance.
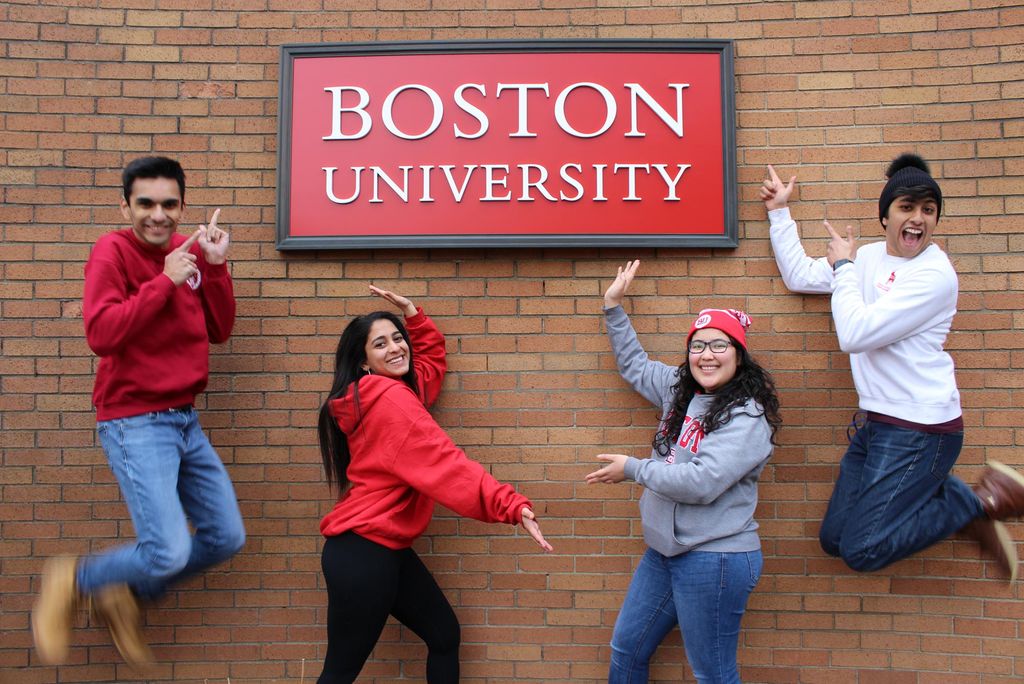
[[152, 337], [402, 461]]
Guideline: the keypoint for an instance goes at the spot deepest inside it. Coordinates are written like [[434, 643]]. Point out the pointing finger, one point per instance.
[[831, 231], [184, 246], [773, 176]]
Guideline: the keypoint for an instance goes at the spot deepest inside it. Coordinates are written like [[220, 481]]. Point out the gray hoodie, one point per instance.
[[704, 492]]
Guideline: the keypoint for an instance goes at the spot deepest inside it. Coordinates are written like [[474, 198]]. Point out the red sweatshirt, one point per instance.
[[152, 337], [402, 461]]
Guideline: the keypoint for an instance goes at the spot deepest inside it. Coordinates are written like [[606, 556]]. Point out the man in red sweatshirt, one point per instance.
[[154, 300]]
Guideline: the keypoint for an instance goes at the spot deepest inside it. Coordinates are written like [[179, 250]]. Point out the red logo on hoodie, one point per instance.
[[690, 436]]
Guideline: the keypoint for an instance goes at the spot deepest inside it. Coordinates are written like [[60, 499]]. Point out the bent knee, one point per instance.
[[164, 560], [862, 559], [234, 543], [829, 542], [225, 546], [446, 638]]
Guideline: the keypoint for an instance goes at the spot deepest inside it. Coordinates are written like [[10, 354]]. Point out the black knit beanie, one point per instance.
[[907, 171]]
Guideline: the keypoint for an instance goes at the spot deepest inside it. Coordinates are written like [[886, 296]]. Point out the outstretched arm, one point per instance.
[[800, 272], [650, 378]]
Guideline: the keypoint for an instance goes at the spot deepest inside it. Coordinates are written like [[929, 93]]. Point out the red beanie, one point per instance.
[[730, 321]]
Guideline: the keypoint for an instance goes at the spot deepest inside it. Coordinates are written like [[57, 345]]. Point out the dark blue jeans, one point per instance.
[[895, 496], [705, 593]]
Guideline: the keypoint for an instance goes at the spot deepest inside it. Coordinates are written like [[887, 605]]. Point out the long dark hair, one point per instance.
[[750, 382], [348, 369]]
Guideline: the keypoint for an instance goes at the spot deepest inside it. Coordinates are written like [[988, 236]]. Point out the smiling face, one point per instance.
[[909, 226], [154, 209], [709, 369], [387, 352]]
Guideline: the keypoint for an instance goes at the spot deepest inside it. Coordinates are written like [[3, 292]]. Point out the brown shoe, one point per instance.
[[996, 541], [1001, 491], [116, 606], [54, 612]]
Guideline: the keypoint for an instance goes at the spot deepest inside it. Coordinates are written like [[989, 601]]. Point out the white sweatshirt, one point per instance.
[[892, 315]]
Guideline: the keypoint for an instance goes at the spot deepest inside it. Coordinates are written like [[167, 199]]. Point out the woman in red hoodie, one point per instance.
[[391, 462]]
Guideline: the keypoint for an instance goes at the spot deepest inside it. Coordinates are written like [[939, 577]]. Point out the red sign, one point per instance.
[[507, 144]]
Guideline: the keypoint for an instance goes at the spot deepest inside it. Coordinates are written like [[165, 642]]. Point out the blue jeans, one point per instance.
[[705, 593], [169, 475], [895, 496]]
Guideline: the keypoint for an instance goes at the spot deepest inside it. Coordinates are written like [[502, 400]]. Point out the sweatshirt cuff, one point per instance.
[[779, 215], [416, 317], [611, 311], [631, 468], [216, 271], [164, 284]]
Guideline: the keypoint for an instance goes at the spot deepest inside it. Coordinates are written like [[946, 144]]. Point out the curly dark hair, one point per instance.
[[750, 382]]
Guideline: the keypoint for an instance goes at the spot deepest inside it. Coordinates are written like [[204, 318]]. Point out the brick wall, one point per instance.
[[827, 90]]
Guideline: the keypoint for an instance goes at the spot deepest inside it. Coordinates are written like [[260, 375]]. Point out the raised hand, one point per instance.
[[214, 241], [774, 193], [613, 473], [403, 303], [617, 290], [840, 247], [179, 264], [533, 529]]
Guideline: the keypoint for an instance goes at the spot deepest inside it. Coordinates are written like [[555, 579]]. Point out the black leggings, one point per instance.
[[366, 582]]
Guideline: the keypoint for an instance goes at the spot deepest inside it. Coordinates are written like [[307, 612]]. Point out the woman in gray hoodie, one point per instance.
[[720, 413]]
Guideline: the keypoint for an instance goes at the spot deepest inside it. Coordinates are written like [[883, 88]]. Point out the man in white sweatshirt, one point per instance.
[[893, 303]]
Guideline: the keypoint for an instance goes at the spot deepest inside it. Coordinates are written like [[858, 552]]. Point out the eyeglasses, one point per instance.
[[718, 346]]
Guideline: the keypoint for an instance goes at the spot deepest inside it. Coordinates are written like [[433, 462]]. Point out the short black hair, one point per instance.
[[152, 167]]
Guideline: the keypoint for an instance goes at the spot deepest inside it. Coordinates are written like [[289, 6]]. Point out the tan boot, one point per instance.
[[1001, 491], [54, 612], [116, 606], [995, 540]]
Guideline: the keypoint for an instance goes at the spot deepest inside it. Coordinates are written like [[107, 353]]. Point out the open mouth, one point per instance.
[[912, 236]]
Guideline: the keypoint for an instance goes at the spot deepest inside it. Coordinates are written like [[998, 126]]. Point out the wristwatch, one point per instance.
[[840, 262]]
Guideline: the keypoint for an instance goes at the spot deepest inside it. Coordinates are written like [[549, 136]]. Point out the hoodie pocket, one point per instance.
[[658, 516]]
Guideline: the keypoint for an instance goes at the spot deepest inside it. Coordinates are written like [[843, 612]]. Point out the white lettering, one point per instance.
[[631, 197], [539, 184], [609, 107], [425, 197], [490, 181], [337, 110], [599, 183], [435, 103], [564, 173], [573, 182], [676, 124], [402, 192], [471, 110], [671, 182], [457, 193], [358, 170], [522, 88]]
